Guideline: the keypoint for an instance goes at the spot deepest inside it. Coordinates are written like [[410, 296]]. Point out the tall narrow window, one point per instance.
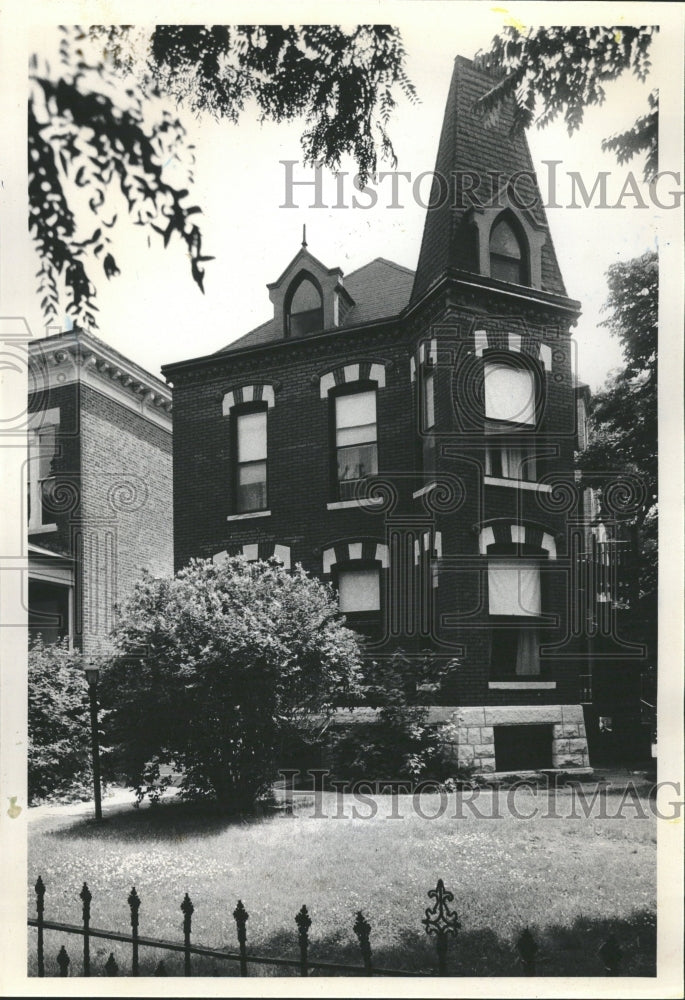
[[355, 440], [42, 454], [305, 314], [428, 419], [507, 259], [251, 461]]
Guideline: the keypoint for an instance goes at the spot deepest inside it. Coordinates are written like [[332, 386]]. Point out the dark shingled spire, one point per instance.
[[482, 147]]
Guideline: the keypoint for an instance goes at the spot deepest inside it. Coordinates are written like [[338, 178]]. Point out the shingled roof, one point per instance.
[[380, 289], [474, 144]]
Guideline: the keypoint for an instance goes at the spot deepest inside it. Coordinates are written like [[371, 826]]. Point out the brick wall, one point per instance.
[[126, 512], [299, 473]]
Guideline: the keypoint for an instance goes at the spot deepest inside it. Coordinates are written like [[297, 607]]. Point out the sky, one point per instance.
[[155, 314]]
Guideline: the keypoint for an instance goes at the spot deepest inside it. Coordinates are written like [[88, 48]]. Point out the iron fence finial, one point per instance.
[[439, 919]]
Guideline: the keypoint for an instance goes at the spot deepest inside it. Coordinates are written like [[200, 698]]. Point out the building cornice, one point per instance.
[[374, 332], [75, 357], [469, 286]]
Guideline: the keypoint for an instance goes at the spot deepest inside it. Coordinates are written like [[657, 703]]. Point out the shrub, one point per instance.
[[400, 743], [216, 667], [59, 752]]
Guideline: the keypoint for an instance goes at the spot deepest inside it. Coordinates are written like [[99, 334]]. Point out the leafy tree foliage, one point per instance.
[[100, 138], [624, 412], [59, 754], [216, 668], [566, 68], [400, 743]]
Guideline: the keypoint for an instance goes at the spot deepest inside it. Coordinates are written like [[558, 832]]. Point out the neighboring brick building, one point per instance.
[[409, 437], [99, 485]]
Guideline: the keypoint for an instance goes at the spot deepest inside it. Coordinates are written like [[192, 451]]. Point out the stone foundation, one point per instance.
[[470, 730]]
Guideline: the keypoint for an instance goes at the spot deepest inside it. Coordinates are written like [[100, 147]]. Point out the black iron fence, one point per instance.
[[440, 923]]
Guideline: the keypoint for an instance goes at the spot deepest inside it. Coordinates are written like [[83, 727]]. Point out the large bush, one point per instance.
[[399, 743], [215, 668], [59, 755]]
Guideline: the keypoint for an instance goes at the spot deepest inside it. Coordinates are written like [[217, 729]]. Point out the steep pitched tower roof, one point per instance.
[[481, 167]]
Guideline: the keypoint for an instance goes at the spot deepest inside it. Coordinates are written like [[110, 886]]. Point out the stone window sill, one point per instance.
[[41, 529], [249, 514], [344, 504], [518, 484], [522, 685]]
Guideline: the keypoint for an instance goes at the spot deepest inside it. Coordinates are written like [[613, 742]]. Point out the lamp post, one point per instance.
[[92, 673]]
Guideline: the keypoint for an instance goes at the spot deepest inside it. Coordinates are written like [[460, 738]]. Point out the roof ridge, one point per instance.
[[383, 260]]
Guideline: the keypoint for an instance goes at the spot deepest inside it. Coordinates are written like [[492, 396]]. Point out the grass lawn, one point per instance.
[[572, 881]]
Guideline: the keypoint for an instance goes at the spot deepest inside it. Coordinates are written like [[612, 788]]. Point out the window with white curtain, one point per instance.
[[355, 440], [359, 589], [513, 587], [251, 461], [515, 651], [511, 461], [509, 393]]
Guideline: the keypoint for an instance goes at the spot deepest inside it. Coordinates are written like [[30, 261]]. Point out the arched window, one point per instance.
[[305, 312], [508, 260]]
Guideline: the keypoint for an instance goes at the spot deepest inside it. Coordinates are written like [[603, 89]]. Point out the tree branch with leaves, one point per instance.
[[101, 136], [554, 71]]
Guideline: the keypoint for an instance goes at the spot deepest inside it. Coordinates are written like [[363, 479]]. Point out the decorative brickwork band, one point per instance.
[[501, 531], [256, 550], [261, 392], [359, 372], [515, 343], [343, 552]]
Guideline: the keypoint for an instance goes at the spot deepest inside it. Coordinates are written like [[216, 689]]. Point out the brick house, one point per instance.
[[409, 437], [99, 485]]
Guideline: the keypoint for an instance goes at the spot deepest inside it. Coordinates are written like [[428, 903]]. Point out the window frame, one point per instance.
[[522, 262], [530, 556], [295, 284], [370, 616], [516, 361], [426, 442], [39, 422], [346, 389], [508, 628], [499, 439], [238, 411]]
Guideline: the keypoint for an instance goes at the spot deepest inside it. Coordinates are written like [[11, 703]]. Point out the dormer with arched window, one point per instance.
[[309, 298]]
